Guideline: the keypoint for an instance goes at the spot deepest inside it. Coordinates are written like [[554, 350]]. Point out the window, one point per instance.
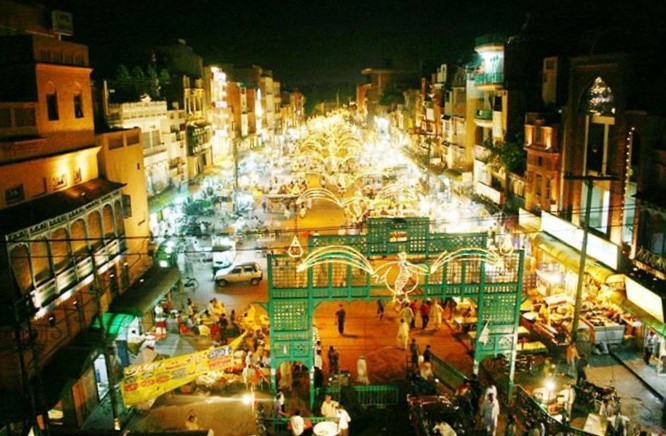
[[127, 206], [5, 119], [52, 106], [539, 182], [78, 105], [14, 194]]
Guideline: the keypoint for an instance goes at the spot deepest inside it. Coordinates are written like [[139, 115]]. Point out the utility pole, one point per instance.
[[235, 194], [589, 184]]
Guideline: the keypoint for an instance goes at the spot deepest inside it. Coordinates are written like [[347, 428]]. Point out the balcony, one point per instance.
[[18, 119], [481, 153], [492, 194], [483, 118], [651, 259]]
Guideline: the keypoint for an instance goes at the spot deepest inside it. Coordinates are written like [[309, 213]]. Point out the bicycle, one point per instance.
[[191, 284]]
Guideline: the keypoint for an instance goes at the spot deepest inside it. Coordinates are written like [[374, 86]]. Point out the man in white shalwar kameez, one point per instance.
[[362, 371]]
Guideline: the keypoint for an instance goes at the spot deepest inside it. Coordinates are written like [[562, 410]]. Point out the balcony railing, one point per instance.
[[652, 259], [489, 78]]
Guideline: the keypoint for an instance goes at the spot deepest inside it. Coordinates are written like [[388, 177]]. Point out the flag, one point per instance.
[[484, 337]]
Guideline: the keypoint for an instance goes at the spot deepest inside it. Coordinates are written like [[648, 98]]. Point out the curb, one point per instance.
[[631, 370]]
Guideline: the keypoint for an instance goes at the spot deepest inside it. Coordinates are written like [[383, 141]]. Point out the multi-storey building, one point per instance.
[[63, 227], [383, 87], [74, 229], [455, 152], [488, 99], [186, 91], [219, 114], [542, 134], [152, 118]]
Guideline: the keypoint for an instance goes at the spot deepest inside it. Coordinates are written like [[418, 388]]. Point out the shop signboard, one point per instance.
[[145, 382], [604, 251], [644, 298]]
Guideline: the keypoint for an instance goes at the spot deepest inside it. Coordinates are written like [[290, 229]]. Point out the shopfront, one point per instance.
[[75, 381], [646, 299], [557, 263], [137, 318]]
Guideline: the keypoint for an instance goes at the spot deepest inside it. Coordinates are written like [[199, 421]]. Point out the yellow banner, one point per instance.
[[144, 382]]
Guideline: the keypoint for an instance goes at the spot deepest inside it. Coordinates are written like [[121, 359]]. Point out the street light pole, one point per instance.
[[589, 184]]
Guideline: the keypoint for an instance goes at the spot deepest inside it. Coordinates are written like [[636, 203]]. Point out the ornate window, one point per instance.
[[95, 230], [62, 257], [79, 238], [20, 261]]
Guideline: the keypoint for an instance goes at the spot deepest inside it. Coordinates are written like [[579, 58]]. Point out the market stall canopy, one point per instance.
[[570, 257], [143, 295]]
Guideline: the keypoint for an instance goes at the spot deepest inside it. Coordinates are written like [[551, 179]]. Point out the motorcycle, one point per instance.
[[191, 284]]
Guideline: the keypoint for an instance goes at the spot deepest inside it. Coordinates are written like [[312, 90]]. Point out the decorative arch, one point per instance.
[[598, 99], [108, 222], [79, 238], [60, 250], [20, 262], [119, 214], [40, 257], [95, 230]]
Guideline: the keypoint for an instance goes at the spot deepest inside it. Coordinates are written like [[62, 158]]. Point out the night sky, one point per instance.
[[321, 41]]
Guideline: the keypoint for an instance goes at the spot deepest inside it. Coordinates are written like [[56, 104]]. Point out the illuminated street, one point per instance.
[[332, 219]]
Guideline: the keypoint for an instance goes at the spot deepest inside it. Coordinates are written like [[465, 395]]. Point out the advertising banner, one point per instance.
[[145, 382]]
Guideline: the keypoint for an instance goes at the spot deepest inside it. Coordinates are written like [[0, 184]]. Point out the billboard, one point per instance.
[[145, 382]]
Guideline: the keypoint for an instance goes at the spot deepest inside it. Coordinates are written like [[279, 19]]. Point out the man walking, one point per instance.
[[380, 309], [580, 367], [572, 358], [403, 334], [414, 355], [407, 314], [427, 354], [651, 343], [341, 315], [425, 314], [333, 360], [490, 411]]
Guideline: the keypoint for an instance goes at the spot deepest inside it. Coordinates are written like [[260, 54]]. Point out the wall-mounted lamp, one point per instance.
[[52, 320]]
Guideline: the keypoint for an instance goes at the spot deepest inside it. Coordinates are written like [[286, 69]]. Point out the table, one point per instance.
[[536, 347], [326, 428]]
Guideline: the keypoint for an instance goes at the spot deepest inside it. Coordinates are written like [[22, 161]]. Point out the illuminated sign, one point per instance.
[[644, 298], [604, 251], [61, 22]]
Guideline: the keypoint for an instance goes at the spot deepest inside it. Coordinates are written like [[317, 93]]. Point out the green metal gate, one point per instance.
[[293, 296]]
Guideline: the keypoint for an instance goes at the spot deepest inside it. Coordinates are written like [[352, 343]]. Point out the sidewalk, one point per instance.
[[647, 374]]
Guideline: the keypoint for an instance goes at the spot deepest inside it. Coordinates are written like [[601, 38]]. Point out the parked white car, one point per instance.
[[244, 272]]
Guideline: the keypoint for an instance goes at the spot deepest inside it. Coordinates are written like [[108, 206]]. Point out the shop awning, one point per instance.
[[143, 295], [570, 257], [68, 364], [114, 323]]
